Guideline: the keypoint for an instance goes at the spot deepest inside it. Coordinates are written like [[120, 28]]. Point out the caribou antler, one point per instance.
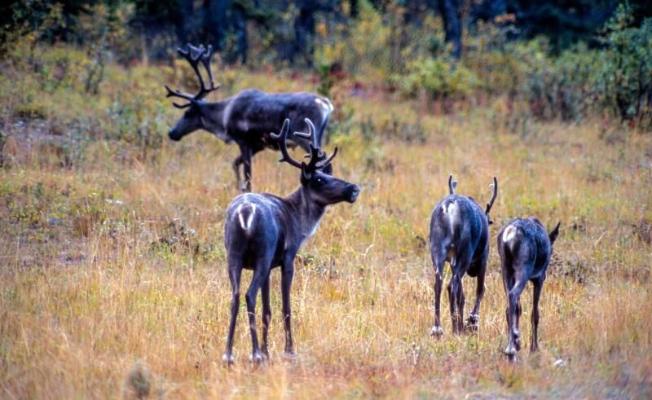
[[282, 139], [176, 93], [494, 185], [318, 158], [195, 55]]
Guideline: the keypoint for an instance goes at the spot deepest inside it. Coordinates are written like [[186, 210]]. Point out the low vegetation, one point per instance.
[[113, 275]]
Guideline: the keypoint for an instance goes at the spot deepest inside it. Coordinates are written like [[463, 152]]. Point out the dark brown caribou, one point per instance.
[[525, 249], [246, 118], [264, 231]]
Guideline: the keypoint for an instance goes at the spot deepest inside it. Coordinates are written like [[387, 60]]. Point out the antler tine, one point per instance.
[[308, 135], [313, 141], [282, 133], [326, 162], [312, 130], [282, 138], [176, 93], [493, 196], [452, 184], [192, 56], [206, 61], [195, 55]]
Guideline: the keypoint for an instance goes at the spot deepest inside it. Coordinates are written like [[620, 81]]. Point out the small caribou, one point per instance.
[[263, 231], [525, 249], [246, 118], [459, 234]]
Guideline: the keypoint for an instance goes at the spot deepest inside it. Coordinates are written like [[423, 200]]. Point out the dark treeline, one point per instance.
[[289, 27]]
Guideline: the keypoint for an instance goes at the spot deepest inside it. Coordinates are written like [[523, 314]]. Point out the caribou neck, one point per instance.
[[213, 116], [305, 211]]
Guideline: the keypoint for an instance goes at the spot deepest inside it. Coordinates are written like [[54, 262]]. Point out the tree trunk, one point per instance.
[[304, 30], [450, 12], [216, 22], [354, 9], [182, 23], [239, 24]]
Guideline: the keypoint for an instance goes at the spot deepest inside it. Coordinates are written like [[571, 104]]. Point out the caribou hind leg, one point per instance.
[[235, 270], [438, 264], [514, 314], [261, 274], [473, 322], [267, 316], [536, 295]]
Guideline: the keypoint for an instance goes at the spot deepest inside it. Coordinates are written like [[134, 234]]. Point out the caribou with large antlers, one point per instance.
[[263, 231], [459, 234], [246, 118]]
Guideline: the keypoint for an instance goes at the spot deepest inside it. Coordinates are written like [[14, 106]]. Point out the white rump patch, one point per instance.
[[450, 208], [509, 233], [325, 105], [452, 212], [246, 224]]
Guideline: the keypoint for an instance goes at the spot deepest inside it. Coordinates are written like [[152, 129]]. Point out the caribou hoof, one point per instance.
[[473, 323], [258, 358], [510, 351], [289, 355], [437, 331], [228, 359], [517, 341]]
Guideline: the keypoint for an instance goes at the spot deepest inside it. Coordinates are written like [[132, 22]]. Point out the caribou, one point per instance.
[[525, 249], [246, 118], [459, 234], [263, 231]]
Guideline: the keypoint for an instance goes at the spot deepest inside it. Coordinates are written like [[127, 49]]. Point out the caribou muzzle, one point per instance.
[[353, 192]]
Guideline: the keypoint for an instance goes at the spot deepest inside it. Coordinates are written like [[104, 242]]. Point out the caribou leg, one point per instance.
[[236, 168], [235, 270], [246, 160], [536, 295], [438, 263], [287, 273], [267, 316]]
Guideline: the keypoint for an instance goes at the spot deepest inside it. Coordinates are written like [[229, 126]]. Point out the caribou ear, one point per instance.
[[306, 173], [554, 233]]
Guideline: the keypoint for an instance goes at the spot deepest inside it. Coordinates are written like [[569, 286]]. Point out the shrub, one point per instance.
[[624, 68], [438, 78], [562, 87]]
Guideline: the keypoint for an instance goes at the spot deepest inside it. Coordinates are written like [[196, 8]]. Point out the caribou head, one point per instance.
[[195, 116], [316, 178]]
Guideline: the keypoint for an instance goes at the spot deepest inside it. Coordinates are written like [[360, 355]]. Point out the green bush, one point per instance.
[[624, 68], [439, 79], [562, 87], [616, 79]]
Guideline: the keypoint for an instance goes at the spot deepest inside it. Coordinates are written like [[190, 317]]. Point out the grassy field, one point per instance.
[[113, 275]]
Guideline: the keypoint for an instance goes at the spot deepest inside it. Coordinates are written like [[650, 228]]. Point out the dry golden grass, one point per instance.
[[113, 278]]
